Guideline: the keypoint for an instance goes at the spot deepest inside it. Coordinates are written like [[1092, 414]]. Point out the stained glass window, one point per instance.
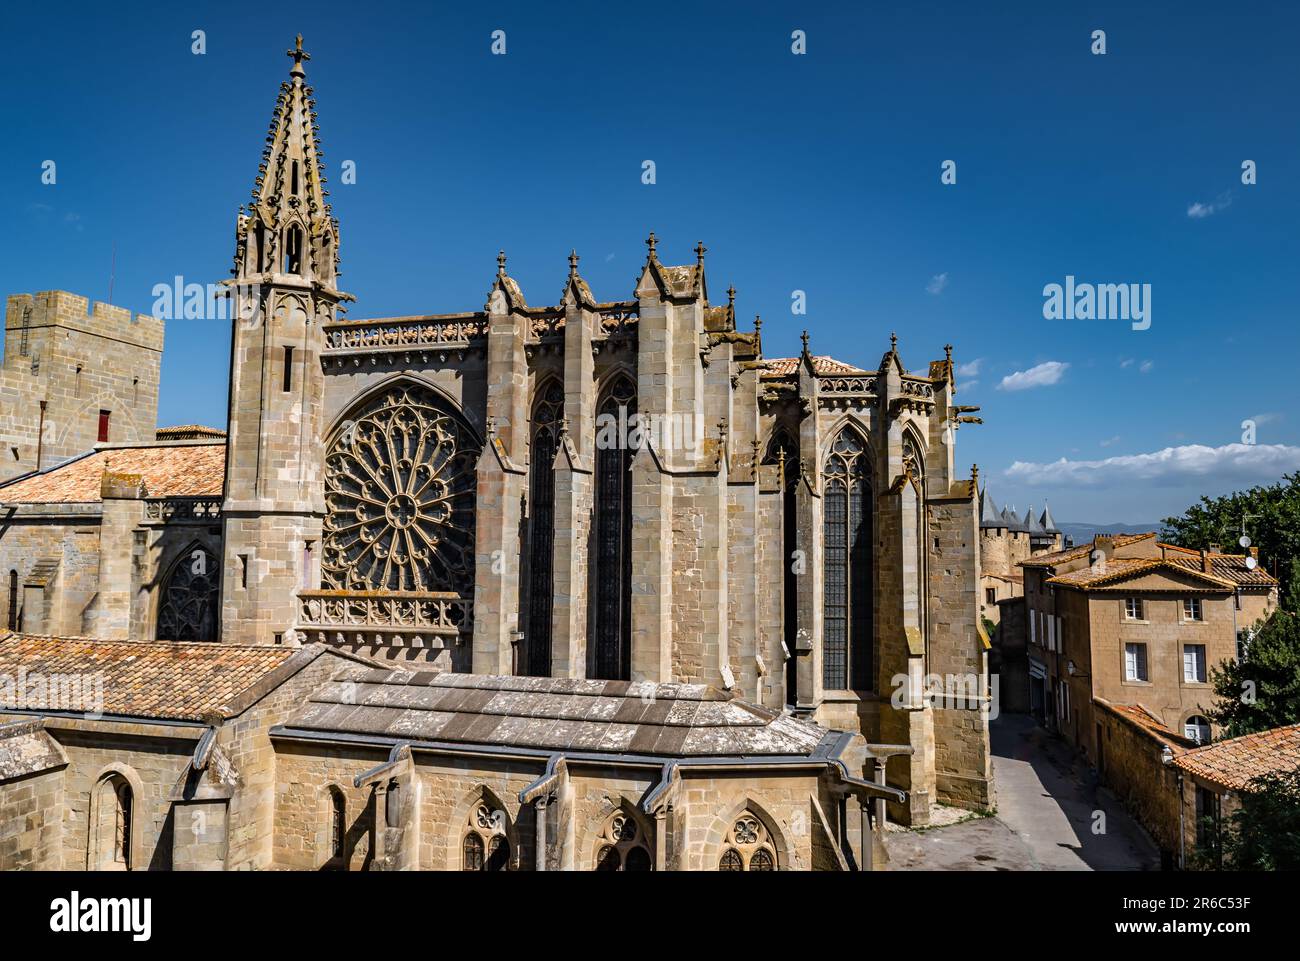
[[187, 610], [847, 622], [547, 414], [611, 572]]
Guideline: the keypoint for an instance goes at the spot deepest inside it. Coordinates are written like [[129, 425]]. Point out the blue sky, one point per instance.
[[818, 172]]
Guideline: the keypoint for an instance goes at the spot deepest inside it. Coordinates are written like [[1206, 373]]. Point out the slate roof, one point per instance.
[[172, 470], [1235, 762], [552, 714], [149, 679], [26, 748], [990, 516]]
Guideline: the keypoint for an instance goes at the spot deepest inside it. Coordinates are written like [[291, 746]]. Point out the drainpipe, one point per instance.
[[40, 437]]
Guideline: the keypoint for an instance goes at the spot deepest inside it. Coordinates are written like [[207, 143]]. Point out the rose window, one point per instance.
[[399, 496]]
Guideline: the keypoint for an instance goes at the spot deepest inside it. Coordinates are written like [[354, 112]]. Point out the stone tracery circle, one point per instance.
[[399, 495]]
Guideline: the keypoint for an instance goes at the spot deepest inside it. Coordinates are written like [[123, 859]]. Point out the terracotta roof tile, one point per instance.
[[1230, 567], [151, 679], [823, 365], [1073, 553], [190, 432], [1121, 568], [1235, 762], [186, 470]]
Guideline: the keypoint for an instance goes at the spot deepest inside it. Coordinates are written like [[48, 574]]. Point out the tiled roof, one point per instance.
[[1234, 763], [148, 679], [553, 714], [185, 470], [189, 432], [1073, 553], [1147, 722], [823, 365], [1231, 567], [1122, 568]]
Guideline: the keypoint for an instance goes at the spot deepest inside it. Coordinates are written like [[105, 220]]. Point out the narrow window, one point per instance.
[[472, 853], [288, 369], [990, 596], [13, 600], [103, 426], [611, 574], [846, 566], [1135, 662], [547, 414], [1191, 608], [293, 251], [1194, 663], [293, 179], [338, 823], [1133, 608], [122, 824]]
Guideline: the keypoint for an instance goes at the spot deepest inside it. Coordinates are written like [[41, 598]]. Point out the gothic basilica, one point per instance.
[[588, 585]]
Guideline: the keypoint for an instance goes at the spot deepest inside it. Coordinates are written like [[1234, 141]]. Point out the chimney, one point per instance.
[[1205, 560], [1254, 552], [1103, 548], [1216, 548]]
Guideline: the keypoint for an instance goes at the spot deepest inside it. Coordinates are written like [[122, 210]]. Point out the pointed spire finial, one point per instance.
[[501, 262], [804, 338], [731, 297], [700, 250], [947, 352], [975, 475], [893, 343], [758, 325], [299, 55], [573, 263], [652, 243]]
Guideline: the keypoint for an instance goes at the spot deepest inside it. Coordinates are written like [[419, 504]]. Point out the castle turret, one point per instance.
[[286, 262]]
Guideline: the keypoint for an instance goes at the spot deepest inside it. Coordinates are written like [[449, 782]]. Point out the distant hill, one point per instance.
[[1081, 533]]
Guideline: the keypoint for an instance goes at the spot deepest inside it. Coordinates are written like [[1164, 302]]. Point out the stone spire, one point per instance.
[[289, 228]]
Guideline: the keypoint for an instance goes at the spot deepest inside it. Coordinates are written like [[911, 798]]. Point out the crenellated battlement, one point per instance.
[[61, 308]]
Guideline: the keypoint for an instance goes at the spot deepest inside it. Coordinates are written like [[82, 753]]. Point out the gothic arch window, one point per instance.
[[623, 845], [847, 617], [611, 567], [13, 600], [783, 452], [913, 533], [187, 609], [748, 846], [399, 497], [293, 250], [113, 824], [548, 412], [485, 846], [338, 823]]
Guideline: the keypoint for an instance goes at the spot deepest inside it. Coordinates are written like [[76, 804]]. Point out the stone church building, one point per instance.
[[622, 491]]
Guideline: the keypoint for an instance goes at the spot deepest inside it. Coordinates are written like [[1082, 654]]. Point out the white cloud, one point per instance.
[[1044, 375], [1173, 466], [970, 370], [1199, 211], [1146, 365], [1266, 417], [1127, 362], [969, 384], [937, 283], [1110, 441]]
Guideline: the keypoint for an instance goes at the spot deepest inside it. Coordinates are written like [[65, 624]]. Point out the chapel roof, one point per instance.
[[1235, 762], [190, 432], [167, 470], [552, 714], [823, 366]]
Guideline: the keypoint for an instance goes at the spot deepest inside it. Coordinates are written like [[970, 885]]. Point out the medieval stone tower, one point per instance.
[[74, 375], [282, 295]]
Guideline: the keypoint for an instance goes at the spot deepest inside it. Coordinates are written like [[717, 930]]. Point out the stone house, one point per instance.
[[1136, 622]]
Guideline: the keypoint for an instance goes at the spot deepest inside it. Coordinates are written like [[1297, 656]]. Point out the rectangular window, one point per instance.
[[1135, 662], [1033, 627], [990, 595], [1194, 663], [1133, 608], [1060, 634], [103, 426], [1191, 608], [288, 369]]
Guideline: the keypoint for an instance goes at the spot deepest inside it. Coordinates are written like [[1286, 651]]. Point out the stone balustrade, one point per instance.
[[172, 510], [420, 619]]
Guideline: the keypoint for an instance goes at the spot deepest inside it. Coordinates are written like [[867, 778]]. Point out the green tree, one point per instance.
[[1272, 518], [1261, 690], [1264, 833]]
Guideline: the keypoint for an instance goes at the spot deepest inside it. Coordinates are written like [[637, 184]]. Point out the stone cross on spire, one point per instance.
[[299, 55], [804, 338], [700, 250], [893, 343], [501, 262], [573, 262], [651, 243]]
